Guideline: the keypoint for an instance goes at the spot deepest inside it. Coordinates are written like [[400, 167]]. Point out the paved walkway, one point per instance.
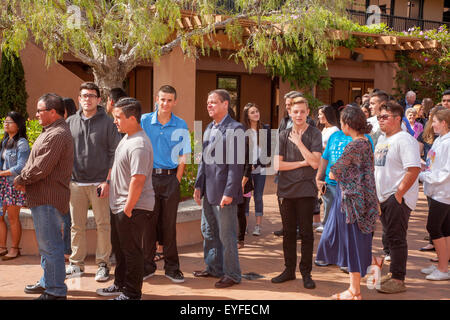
[[262, 255]]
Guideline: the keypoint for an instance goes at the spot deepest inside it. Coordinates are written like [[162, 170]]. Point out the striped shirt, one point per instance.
[[47, 173]]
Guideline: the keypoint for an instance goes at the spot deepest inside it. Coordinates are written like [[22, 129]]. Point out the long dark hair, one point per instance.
[[330, 115], [69, 106], [247, 123], [19, 120]]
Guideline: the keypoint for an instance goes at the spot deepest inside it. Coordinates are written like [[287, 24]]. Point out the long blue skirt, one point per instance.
[[344, 244]]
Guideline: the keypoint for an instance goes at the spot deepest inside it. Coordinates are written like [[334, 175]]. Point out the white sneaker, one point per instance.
[[428, 270], [438, 275], [387, 258], [319, 229], [102, 274], [257, 231], [73, 270]]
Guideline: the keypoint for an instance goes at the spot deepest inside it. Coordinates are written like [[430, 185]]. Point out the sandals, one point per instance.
[[158, 256], [4, 252], [338, 296], [378, 262], [5, 257]]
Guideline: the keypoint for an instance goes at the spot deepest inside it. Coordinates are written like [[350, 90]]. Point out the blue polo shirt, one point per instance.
[[169, 141], [334, 149]]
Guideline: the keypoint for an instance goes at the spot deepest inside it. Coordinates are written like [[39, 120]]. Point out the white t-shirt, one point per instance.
[[326, 133], [393, 156]]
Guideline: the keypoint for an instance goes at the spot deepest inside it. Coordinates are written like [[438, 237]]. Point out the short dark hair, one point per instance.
[[168, 89], [446, 92], [53, 101], [130, 107], [69, 106], [355, 118], [393, 107], [382, 95], [116, 93], [223, 94], [90, 86]]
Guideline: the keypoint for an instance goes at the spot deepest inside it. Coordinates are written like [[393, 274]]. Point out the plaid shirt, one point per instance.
[[47, 173]]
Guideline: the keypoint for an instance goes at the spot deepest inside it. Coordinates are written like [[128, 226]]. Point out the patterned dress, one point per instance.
[[354, 172], [347, 236]]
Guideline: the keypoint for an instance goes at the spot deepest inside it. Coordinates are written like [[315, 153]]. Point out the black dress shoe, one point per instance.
[[46, 296], [278, 233], [34, 288], [225, 282], [308, 282], [286, 275]]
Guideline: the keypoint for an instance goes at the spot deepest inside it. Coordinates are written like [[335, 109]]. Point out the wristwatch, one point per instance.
[[108, 181]]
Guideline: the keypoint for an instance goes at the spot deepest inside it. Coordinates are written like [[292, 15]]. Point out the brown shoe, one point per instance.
[[392, 286], [224, 282], [201, 274]]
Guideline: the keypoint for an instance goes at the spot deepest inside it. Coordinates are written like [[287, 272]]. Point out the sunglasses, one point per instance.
[[384, 117]]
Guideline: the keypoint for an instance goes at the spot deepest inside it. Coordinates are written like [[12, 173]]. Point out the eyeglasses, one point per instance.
[[445, 100], [384, 117], [42, 110], [8, 122], [88, 96]]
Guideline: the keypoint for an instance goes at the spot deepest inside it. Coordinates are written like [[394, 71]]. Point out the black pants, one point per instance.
[[242, 219], [438, 223], [167, 197], [129, 253], [394, 218], [293, 210]]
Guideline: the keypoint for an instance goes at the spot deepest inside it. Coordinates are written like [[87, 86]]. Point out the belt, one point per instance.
[[165, 172]]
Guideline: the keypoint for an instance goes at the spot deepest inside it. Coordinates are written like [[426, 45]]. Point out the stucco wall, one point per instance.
[[40, 79], [178, 71]]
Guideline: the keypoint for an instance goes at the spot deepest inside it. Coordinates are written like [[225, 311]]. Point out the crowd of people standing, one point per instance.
[[362, 161]]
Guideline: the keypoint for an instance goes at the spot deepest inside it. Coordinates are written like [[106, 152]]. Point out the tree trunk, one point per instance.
[[106, 80]]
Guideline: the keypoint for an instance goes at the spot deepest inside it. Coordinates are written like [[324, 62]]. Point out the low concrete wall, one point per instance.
[[188, 228]]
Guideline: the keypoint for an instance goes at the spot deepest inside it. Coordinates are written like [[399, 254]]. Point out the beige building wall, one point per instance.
[[180, 72], [384, 76], [257, 89], [433, 10], [40, 79]]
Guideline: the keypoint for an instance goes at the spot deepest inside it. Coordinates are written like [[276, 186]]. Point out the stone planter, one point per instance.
[[188, 228]]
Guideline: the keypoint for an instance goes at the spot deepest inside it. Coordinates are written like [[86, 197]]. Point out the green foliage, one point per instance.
[[428, 74], [288, 37], [34, 129], [190, 173], [13, 95]]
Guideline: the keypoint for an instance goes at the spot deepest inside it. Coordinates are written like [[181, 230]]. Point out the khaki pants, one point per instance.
[[80, 198]]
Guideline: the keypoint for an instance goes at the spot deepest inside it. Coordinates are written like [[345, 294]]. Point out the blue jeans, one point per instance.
[[219, 229], [47, 225], [67, 223], [259, 181], [328, 198]]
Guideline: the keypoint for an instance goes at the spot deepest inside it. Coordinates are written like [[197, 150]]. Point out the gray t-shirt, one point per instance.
[[300, 182], [134, 155]]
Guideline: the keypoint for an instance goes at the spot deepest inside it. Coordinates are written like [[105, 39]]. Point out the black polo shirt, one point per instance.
[[298, 183]]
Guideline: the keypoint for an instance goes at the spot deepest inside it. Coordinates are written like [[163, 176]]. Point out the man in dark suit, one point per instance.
[[219, 181]]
